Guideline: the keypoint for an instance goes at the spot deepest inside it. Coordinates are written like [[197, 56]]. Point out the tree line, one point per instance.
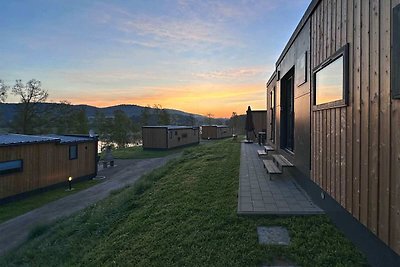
[[36, 116]]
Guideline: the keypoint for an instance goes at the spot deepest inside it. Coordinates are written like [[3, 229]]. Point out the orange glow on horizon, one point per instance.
[[220, 101]]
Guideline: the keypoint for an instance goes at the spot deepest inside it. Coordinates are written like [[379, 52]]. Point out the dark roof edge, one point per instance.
[[56, 141], [172, 128], [271, 78], [299, 27]]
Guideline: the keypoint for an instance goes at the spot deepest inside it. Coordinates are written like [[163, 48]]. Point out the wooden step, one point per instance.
[[271, 167], [262, 153], [281, 161], [268, 148]]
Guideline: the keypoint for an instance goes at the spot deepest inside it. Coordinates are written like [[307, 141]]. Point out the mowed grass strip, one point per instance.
[[137, 152], [183, 214], [18, 207]]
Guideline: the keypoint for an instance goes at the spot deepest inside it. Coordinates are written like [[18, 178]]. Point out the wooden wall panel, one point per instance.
[[364, 187], [394, 231], [384, 122], [356, 152], [374, 118], [154, 137], [183, 137], [44, 165], [208, 132]]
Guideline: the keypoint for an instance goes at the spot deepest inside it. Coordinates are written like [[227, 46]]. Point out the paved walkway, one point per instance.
[[259, 195], [15, 231]]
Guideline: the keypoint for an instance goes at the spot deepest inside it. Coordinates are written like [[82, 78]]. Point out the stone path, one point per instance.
[[15, 231], [259, 195]]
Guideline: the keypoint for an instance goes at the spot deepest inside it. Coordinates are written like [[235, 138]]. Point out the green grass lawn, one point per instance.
[[137, 152], [183, 214], [16, 208]]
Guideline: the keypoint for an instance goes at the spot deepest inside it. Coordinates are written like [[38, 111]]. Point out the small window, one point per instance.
[[395, 62], [176, 132], [12, 166], [73, 152], [184, 135], [330, 81], [170, 135]]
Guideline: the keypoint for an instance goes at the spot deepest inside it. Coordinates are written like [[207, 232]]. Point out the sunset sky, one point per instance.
[[197, 56]]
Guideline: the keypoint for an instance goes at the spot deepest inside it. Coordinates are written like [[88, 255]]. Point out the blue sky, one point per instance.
[[198, 56]]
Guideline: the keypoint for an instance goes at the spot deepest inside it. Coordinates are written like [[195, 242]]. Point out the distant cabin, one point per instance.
[[30, 163], [215, 131], [169, 136]]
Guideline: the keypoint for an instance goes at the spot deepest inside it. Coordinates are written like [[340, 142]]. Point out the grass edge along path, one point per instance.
[[15, 208], [183, 214], [137, 152]]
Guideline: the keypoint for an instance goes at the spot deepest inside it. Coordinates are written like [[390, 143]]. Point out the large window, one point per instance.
[[11, 166], [330, 81], [396, 53], [73, 152]]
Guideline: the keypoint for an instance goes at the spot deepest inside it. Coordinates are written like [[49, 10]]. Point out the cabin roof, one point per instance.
[[21, 139], [218, 126], [71, 138], [172, 127], [17, 139]]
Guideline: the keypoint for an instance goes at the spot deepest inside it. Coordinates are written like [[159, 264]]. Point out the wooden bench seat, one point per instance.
[[262, 153], [268, 148], [281, 161]]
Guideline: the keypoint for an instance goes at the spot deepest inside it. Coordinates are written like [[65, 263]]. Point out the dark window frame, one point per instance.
[[76, 156], [14, 170], [395, 55], [341, 52], [272, 110]]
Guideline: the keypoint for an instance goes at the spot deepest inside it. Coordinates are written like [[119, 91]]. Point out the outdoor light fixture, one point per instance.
[[69, 183]]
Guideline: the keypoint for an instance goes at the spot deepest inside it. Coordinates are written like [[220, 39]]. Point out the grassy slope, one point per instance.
[[139, 153], [183, 214], [16, 208]]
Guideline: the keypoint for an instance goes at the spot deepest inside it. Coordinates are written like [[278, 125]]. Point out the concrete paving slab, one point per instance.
[[280, 196]]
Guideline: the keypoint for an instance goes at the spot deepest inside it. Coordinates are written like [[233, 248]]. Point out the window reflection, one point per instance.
[[329, 83]]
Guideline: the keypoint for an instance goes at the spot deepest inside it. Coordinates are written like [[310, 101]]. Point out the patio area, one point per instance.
[[259, 195]]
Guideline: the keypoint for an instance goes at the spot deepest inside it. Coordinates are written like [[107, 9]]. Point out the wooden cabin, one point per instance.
[[30, 163], [260, 123], [215, 131], [169, 136], [334, 111]]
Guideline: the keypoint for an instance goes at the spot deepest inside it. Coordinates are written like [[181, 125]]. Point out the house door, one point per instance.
[[287, 110]]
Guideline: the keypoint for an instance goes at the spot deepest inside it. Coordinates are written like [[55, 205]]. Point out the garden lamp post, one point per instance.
[[69, 183]]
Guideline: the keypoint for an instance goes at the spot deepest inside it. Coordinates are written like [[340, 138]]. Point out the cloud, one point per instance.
[[165, 30], [106, 77], [227, 10], [238, 73]]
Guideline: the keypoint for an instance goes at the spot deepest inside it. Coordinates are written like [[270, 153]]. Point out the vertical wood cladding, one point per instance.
[[44, 165], [356, 149]]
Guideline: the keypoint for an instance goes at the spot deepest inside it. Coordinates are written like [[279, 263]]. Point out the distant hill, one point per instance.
[[8, 110]]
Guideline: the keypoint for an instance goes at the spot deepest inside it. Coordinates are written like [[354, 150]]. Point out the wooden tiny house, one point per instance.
[[167, 136], [29, 163], [215, 131], [334, 110]]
